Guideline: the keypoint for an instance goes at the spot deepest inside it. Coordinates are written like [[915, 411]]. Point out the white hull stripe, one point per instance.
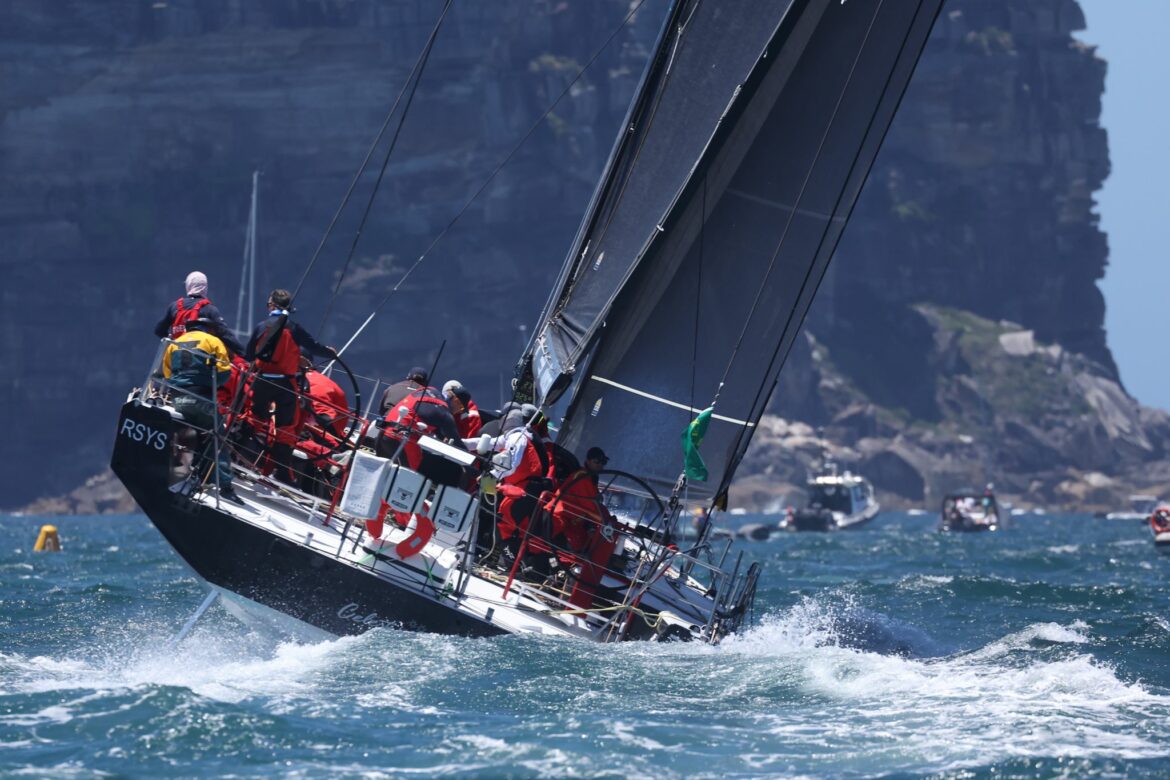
[[668, 402]]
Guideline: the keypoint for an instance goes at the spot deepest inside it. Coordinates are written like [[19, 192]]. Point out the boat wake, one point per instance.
[[884, 687], [816, 681], [214, 663]]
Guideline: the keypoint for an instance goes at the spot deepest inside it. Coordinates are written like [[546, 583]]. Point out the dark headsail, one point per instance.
[[719, 213]]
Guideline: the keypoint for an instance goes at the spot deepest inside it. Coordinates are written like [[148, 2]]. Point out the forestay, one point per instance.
[[717, 218]]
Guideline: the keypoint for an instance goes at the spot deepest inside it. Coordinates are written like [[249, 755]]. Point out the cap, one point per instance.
[[418, 374], [452, 387], [596, 453]]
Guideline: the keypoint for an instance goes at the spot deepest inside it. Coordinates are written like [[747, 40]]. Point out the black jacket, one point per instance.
[[163, 328]]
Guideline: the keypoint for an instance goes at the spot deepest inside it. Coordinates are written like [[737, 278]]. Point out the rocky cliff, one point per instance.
[[127, 144], [130, 131], [958, 336]]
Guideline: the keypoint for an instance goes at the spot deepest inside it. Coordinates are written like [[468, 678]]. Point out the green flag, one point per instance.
[[692, 437]]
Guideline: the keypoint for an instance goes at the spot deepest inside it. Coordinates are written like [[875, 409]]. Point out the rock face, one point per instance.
[[128, 136], [1049, 427], [129, 131], [980, 205]]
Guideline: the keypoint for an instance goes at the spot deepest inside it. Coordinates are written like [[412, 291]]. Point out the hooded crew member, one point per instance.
[[275, 350], [516, 464], [195, 304], [327, 401]]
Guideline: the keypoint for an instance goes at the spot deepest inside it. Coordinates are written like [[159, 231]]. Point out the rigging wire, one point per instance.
[[420, 66], [680, 29], [370, 153], [637, 5]]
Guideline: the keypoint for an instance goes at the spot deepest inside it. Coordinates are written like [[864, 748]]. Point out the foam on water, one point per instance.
[[976, 707], [957, 654], [225, 666]]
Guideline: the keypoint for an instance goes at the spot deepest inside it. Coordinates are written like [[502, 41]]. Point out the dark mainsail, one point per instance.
[[720, 210]]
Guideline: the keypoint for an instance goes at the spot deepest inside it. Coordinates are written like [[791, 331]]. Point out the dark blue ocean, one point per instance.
[[891, 651]]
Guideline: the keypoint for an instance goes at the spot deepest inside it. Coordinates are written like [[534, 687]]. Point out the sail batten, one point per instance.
[[699, 264]]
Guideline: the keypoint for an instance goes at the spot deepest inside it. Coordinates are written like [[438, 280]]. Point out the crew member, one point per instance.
[[194, 304], [321, 427], [518, 468], [466, 413], [416, 379], [577, 511], [194, 364], [587, 525], [275, 350], [423, 412], [595, 462], [327, 403]]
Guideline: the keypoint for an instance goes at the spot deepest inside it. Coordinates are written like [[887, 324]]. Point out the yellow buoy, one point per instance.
[[48, 540]]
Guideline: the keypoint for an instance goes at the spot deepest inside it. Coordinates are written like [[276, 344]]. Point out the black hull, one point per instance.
[[303, 583]]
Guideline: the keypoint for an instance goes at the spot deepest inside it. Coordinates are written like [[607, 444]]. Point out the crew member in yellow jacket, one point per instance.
[[194, 364]]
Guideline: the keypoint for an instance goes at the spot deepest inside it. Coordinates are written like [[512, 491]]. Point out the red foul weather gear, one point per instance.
[[407, 413], [468, 421], [183, 316], [595, 561], [327, 401], [514, 510], [285, 355], [576, 510]]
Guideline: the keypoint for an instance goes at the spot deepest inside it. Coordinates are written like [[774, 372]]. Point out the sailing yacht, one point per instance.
[[751, 134]]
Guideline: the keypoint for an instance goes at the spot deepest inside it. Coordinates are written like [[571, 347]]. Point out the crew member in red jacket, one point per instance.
[[194, 305], [463, 408], [519, 472], [586, 524], [422, 412], [275, 350], [326, 400], [322, 418]]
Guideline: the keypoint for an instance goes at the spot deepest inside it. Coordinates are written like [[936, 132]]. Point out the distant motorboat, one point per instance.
[[1160, 528], [835, 502], [970, 510]]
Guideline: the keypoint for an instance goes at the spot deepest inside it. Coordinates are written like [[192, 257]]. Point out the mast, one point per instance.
[[697, 264]]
